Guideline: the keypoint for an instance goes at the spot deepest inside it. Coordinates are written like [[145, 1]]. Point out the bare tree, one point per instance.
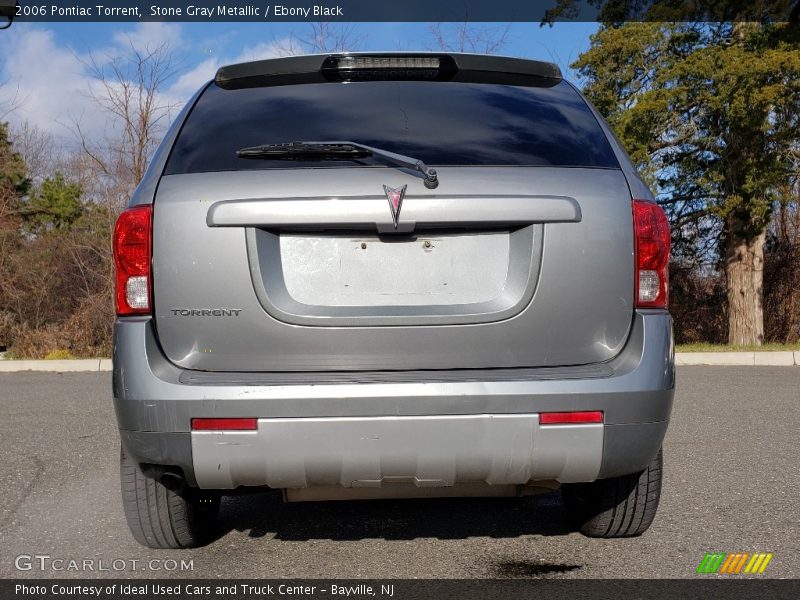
[[321, 37], [469, 37], [330, 37], [9, 101], [56, 283], [129, 91], [38, 148]]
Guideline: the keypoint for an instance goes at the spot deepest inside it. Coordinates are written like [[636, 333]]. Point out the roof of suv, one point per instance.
[[435, 66]]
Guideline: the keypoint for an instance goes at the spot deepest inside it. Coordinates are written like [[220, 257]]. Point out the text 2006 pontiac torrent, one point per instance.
[[391, 275]]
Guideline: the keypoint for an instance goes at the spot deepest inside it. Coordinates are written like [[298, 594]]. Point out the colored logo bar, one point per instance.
[[734, 563]]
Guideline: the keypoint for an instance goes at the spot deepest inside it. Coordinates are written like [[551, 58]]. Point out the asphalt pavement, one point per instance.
[[732, 459]]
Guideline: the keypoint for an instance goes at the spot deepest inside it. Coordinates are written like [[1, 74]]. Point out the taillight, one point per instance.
[[132, 251], [651, 232]]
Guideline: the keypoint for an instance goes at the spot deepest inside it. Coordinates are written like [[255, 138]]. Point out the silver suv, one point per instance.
[[390, 276]]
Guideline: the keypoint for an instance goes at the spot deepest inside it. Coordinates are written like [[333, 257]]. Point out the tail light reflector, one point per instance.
[[571, 418], [651, 232], [133, 235], [238, 424]]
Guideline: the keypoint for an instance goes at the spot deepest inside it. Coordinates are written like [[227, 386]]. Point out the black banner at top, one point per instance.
[[399, 10]]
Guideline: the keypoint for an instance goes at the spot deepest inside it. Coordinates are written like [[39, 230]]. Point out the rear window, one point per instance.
[[440, 123]]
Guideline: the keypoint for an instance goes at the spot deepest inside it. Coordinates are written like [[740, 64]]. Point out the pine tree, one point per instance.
[[711, 114]]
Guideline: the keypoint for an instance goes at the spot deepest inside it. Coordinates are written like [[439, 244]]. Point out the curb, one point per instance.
[[56, 366], [682, 359], [759, 359]]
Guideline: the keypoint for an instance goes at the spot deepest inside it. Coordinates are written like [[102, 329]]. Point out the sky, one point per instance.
[[43, 66]]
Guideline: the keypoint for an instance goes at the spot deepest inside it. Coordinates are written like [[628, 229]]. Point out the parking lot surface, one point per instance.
[[732, 460]]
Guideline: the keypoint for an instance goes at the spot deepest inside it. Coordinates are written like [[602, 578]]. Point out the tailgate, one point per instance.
[[502, 267]]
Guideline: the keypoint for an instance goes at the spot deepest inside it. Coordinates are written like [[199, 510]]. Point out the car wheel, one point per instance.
[[161, 515], [616, 507]]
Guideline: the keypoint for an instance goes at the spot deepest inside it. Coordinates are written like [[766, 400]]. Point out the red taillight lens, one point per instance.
[[571, 418], [651, 231], [132, 250], [239, 424]]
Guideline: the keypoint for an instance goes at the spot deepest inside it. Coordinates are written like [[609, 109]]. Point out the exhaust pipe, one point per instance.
[[172, 481]]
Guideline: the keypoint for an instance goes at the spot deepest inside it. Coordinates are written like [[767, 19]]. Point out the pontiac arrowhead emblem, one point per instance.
[[395, 197]]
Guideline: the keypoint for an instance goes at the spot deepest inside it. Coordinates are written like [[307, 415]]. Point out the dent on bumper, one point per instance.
[[154, 409]]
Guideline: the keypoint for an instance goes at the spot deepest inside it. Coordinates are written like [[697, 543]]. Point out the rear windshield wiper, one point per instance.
[[312, 150]]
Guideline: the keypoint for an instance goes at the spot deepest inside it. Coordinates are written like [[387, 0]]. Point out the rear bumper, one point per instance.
[[431, 433], [373, 452]]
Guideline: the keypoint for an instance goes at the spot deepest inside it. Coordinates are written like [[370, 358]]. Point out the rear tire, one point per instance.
[[616, 507], [161, 517]]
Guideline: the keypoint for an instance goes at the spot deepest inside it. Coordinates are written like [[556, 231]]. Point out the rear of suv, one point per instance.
[[386, 276]]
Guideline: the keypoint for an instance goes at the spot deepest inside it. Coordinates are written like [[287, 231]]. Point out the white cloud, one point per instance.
[[150, 35], [265, 50], [53, 83], [188, 82], [49, 80]]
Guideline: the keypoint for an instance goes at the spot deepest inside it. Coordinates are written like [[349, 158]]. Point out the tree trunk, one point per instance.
[[744, 267]]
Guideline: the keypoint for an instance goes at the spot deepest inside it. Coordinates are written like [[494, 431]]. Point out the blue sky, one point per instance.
[[43, 65], [561, 43]]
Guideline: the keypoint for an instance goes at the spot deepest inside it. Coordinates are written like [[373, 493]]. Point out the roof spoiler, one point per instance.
[[477, 68]]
